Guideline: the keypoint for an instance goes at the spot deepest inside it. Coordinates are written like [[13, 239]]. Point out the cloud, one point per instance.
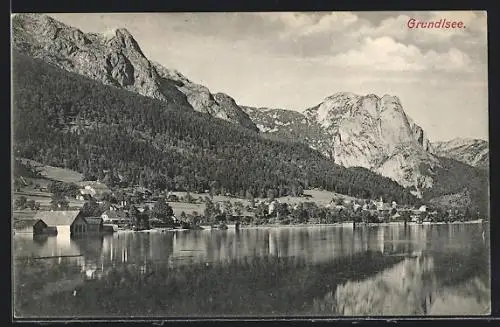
[[296, 24], [384, 53], [347, 38]]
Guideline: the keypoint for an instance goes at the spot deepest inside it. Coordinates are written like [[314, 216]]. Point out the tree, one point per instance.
[[261, 210], [227, 208], [59, 202], [271, 193], [162, 210], [31, 204], [133, 213], [238, 208], [251, 202], [188, 198], [282, 210], [21, 202], [91, 208]]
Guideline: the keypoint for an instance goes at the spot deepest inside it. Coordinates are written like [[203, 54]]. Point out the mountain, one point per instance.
[[376, 133], [64, 119], [473, 152], [358, 131], [117, 60]]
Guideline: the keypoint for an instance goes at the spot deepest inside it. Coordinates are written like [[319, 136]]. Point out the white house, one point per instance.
[[93, 188], [113, 216], [380, 204], [272, 207]]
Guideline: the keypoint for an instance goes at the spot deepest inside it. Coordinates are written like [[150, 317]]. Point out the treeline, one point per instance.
[[456, 177], [67, 120]]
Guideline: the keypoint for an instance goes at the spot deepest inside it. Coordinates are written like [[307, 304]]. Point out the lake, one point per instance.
[[320, 271]]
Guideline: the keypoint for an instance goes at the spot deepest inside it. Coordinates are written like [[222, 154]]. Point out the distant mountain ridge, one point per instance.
[[473, 152], [117, 59]]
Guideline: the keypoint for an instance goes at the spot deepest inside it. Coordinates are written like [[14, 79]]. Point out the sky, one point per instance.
[[293, 60]]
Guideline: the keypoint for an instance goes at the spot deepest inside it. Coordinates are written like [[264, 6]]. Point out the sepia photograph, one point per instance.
[[244, 165]]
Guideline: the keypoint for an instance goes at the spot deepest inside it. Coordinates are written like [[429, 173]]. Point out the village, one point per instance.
[[92, 208]]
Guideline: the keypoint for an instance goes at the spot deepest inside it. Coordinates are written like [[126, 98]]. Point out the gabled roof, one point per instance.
[[57, 218], [93, 220]]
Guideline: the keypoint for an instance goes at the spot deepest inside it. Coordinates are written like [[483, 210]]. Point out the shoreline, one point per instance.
[[350, 224], [345, 224]]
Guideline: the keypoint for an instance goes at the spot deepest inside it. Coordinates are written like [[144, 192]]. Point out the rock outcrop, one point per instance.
[[364, 131], [116, 59]]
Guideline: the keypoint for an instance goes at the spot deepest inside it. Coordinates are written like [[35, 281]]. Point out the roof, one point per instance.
[[114, 214], [57, 218], [93, 184], [93, 220]]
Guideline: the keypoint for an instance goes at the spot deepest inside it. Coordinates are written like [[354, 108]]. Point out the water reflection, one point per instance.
[[389, 270]]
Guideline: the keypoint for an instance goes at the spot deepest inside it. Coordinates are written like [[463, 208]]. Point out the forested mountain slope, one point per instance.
[[68, 120]]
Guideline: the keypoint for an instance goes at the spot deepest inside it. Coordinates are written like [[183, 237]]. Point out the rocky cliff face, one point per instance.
[[116, 59], [470, 151], [353, 130], [376, 133]]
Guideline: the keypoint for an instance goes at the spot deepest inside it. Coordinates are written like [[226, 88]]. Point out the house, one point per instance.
[[93, 188], [396, 216], [272, 206], [59, 220], [114, 217], [87, 226], [172, 198], [143, 190], [85, 194], [41, 228]]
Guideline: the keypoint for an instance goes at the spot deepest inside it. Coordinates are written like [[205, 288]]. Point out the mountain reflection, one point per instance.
[[333, 271], [412, 287]]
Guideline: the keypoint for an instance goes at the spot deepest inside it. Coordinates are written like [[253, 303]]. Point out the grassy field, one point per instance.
[[188, 208], [318, 196], [321, 198], [43, 198], [33, 192], [55, 173]]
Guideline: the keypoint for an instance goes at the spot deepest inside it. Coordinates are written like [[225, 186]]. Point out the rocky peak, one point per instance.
[[123, 39], [116, 59], [361, 130]]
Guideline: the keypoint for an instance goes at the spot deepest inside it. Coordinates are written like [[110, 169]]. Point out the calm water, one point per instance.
[[292, 271]]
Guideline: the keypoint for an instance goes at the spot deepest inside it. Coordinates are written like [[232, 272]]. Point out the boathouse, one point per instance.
[[54, 222], [87, 226], [66, 223]]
